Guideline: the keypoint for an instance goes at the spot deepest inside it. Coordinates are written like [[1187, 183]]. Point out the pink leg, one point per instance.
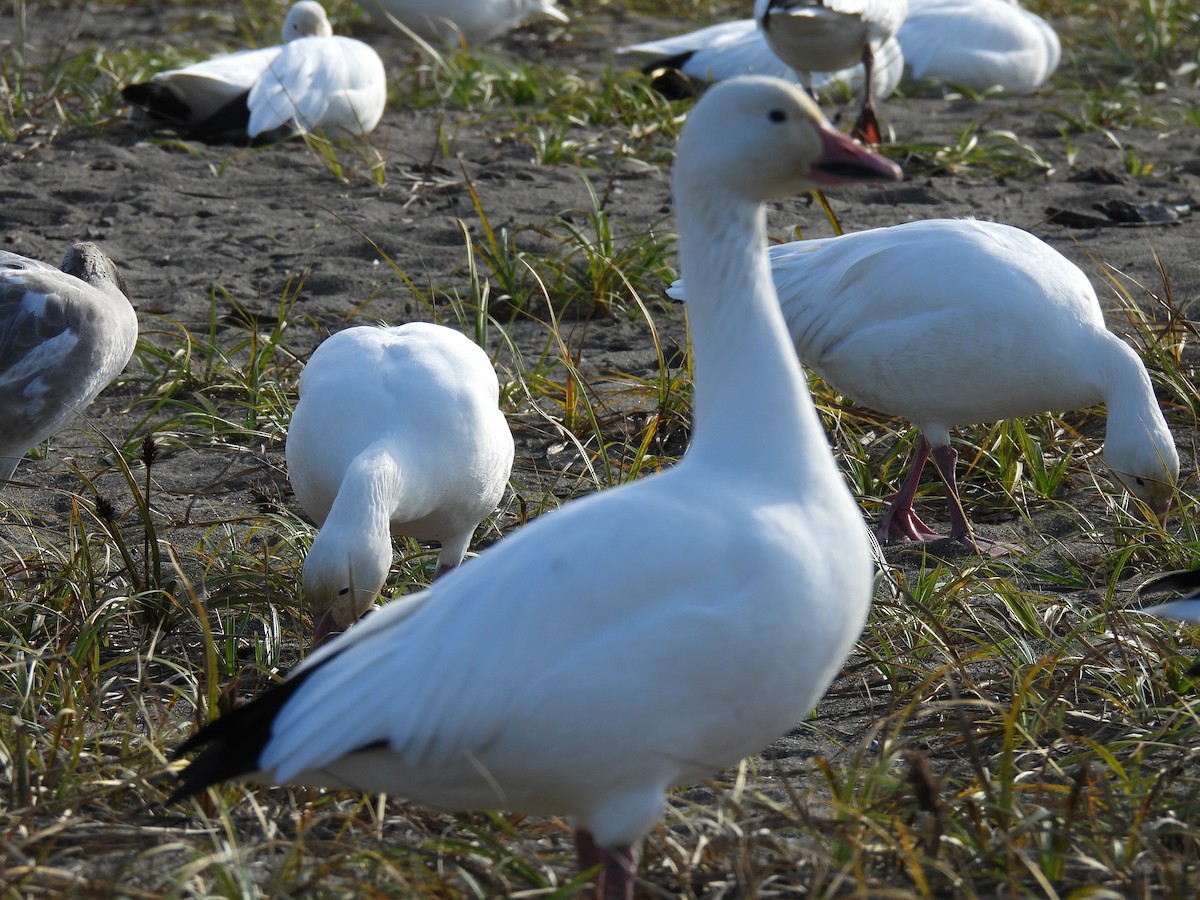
[[900, 521], [866, 129], [946, 460], [615, 867]]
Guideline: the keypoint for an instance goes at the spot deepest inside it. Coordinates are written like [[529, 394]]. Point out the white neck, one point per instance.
[[751, 404], [368, 495]]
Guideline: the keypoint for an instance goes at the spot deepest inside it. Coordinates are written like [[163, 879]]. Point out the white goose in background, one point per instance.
[[313, 80], [466, 22], [585, 664], [64, 335], [978, 44], [396, 431], [828, 35], [950, 322], [737, 48]]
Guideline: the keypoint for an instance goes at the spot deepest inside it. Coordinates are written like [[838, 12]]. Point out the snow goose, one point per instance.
[[468, 22], [951, 322], [828, 35], [978, 44], [584, 665], [64, 335], [397, 431], [737, 48], [312, 80]]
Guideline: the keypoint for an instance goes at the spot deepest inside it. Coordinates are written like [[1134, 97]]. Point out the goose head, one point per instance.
[[343, 575], [1146, 464], [306, 19], [818, 155]]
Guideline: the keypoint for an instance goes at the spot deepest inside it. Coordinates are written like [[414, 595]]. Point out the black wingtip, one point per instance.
[[233, 743], [1183, 581]]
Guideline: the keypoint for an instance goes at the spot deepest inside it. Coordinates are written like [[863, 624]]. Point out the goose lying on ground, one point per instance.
[[951, 322], [313, 80], [468, 22], [978, 44], [828, 35], [396, 431], [64, 335], [584, 665], [737, 48]]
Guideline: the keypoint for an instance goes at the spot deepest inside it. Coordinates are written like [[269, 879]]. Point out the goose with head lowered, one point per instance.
[[396, 431], [950, 322], [313, 80], [584, 665], [828, 35], [64, 335], [729, 49]]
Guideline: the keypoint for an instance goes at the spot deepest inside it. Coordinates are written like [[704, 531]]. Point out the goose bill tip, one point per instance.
[[845, 161]]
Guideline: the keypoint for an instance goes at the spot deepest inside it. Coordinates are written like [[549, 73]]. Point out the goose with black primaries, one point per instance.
[[950, 322], [584, 665], [313, 80], [396, 432], [64, 335]]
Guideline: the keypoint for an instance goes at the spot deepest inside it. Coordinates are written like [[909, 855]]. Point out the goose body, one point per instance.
[[466, 21], [584, 665], [828, 35], [978, 44], [64, 335], [737, 48], [396, 431], [313, 80], [950, 322]]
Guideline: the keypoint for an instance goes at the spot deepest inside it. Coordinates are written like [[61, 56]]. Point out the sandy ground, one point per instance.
[[194, 227]]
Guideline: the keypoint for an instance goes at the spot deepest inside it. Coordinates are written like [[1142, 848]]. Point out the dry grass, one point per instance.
[[1005, 728]]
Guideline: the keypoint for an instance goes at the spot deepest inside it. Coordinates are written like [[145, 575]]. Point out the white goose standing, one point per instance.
[[737, 48], [64, 335], [952, 322], [828, 35], [584, 665], [396, 431], [314, 79]]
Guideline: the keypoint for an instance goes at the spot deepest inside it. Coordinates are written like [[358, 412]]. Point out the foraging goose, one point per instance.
[[950, 322], [64, 335], [827, 35], [468, 22], [396, 431], [312, 80], [978, 44], [737, 48], [584, 665]]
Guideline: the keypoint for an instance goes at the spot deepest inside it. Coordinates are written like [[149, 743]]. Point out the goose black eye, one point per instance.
[[777, 115]]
